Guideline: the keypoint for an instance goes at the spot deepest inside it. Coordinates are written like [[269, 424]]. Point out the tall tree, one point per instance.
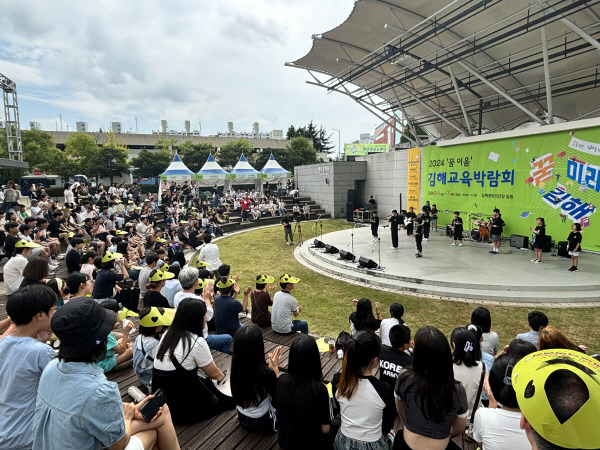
[[195, 155], [82, 149], [299, 152], [166, 143], [37, 145], [319, 137], [151, 164], [280, 155], [110, 162], [230, 153]]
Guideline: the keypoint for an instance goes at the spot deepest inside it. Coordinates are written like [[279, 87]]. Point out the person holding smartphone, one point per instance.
[[77, 407]]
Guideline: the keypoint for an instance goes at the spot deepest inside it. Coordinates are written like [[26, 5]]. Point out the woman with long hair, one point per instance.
[[482, 318], [302, 402], [363, 318], [431, 404], [551, 337], [466, 359], [539, 236], [181, 352], [396, 313], [366, 403], [253, 382]]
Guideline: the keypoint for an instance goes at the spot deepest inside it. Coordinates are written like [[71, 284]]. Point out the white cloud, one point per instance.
[[203, 61]]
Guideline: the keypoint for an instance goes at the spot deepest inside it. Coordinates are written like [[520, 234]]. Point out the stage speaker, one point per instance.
[[448, 230], [318, 244], [349, 211], [519, 241], [563, 249], [331, 249], [547, 247], [367, 263], [347, 256]]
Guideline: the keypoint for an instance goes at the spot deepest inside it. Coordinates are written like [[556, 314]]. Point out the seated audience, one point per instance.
[[106, 279], [303, 407], [151, 262], [498, 428], [393, 358], [482, 318], [87, 263], [13, 269], [467, 365], [79, 285], [173, 286], [181, 353], [285, 307], [210, 253], [552, 337], [22, 360], [227, 307], [363, 318], [117, 351], [35, 272], [156, 282], [73, 258], [253, 382], [557, 392], [432, 405], [366, 403], [396, 313], [152, 324], [537, 320], [261, 298], [76, 406]]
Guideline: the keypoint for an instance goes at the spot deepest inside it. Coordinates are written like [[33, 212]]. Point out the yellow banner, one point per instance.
[[414, 179]]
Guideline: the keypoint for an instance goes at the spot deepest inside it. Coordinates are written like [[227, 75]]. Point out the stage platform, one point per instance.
[[450, 272]]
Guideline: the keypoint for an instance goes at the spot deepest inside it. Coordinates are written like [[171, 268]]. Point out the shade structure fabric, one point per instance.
[[462, 67], [272, 170], [243, 171], [177, 171], [211, 172]]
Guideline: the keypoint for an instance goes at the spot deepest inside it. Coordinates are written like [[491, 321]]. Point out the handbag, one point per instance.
[[469, 430], [342, 339]]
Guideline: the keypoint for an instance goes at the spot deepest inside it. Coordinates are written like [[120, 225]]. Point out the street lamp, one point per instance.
[[339, 143]]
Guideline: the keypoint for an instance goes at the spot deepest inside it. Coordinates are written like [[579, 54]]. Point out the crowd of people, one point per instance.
[[63, 336]]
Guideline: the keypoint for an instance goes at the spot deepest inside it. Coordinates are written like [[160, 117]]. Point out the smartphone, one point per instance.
[[152, 406]]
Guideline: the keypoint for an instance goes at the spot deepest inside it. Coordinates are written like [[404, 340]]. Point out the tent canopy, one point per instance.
[[456, 68], [177, 171], [272, 170], [243, 170], [211, 172]]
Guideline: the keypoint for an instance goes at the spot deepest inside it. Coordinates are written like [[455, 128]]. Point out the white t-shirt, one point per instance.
[[284, 305], [362, 414], [209, 311], [469, 378], [384, 330], [199, 355], [498, 429], [69, 196], [13, 273], [210, 254]]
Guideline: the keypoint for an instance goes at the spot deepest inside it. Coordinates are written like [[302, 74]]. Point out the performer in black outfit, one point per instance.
[[497, 225], [426, 218], [374, 226], [539, 233], [457, 228], [394, 221], [410, 215], [574, 246], [419, 237]]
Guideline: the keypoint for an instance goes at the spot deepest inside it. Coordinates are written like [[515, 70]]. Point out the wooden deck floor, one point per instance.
[[224, 431]]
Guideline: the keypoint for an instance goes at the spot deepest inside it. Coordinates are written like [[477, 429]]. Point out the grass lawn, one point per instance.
[[327, 302]]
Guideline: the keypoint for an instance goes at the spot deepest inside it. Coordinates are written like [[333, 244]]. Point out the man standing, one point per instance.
[[426, 218], [409, 221], [135, 192], [215, 192], [372, 203], [286, 221], [394, 221], [374, 226], [497, 226], [457, 229], [245, 209], [285, 307]]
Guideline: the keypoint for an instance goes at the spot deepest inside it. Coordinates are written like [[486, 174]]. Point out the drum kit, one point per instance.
[[480, 230]]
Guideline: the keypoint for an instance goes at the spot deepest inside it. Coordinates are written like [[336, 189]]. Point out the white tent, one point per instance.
[[177, 171], [211, 173], [242, 172], [273, 171]]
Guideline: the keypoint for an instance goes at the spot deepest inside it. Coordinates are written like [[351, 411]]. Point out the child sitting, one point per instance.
[[153, 322]]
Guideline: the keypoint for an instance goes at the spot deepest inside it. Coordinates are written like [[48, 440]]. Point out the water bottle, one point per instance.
[[136, 394]]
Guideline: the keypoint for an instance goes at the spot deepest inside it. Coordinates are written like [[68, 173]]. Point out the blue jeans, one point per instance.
[[300, 325], [220, 342]]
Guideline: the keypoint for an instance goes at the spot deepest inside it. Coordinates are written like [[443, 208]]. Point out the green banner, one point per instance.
[[364, 149], [555, 176]]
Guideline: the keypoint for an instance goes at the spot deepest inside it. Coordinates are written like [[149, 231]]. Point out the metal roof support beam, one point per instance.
[[547, 75], [460, 99], [500, 91]]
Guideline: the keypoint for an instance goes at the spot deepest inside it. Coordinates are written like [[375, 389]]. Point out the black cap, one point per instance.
[[81, 325]]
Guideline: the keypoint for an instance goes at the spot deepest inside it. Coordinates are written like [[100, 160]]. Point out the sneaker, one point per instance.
[[537, 261], [287, 243], [419, 256], [575, 269], [61, 256], [425, 239], [534, 260], [460, 245], [416, 254], [492, 251], [393, 248], [453, 243], [293, 243]]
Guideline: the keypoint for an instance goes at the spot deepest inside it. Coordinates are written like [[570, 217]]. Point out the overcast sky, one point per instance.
[[209, 62]]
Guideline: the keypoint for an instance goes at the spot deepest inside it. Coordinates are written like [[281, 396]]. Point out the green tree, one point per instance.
[[151, 164], [82, 149], [37, 145], [57, 162], [299, 152], [166, 143], [195, 155], [280, 155], [110, 162], [319, 137], [230, 153]]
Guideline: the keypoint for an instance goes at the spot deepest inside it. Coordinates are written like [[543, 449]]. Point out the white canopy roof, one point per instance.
[[273, 170], [243, 170], [177, 170]]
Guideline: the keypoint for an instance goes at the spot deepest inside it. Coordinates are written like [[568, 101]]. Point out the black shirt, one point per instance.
[[9, 244], [53, 228], [72, 261], [574, 239], [374, 222], [287, 222], [371, 323], [457, 222], [155, 298], [301, 410], [394, 222], [497, 225], [391, 362]]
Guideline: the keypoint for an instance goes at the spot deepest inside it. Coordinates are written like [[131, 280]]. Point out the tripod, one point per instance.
[[298, 226], [352, 236], [378, 245]]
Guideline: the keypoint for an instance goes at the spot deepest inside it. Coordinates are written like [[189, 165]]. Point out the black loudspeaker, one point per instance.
[[563, 249], [347, 256], [349, 211], [449, 230], [351, 195], [367, 263], [547, 247], [519, 241], [318, 244], [331, 249]]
